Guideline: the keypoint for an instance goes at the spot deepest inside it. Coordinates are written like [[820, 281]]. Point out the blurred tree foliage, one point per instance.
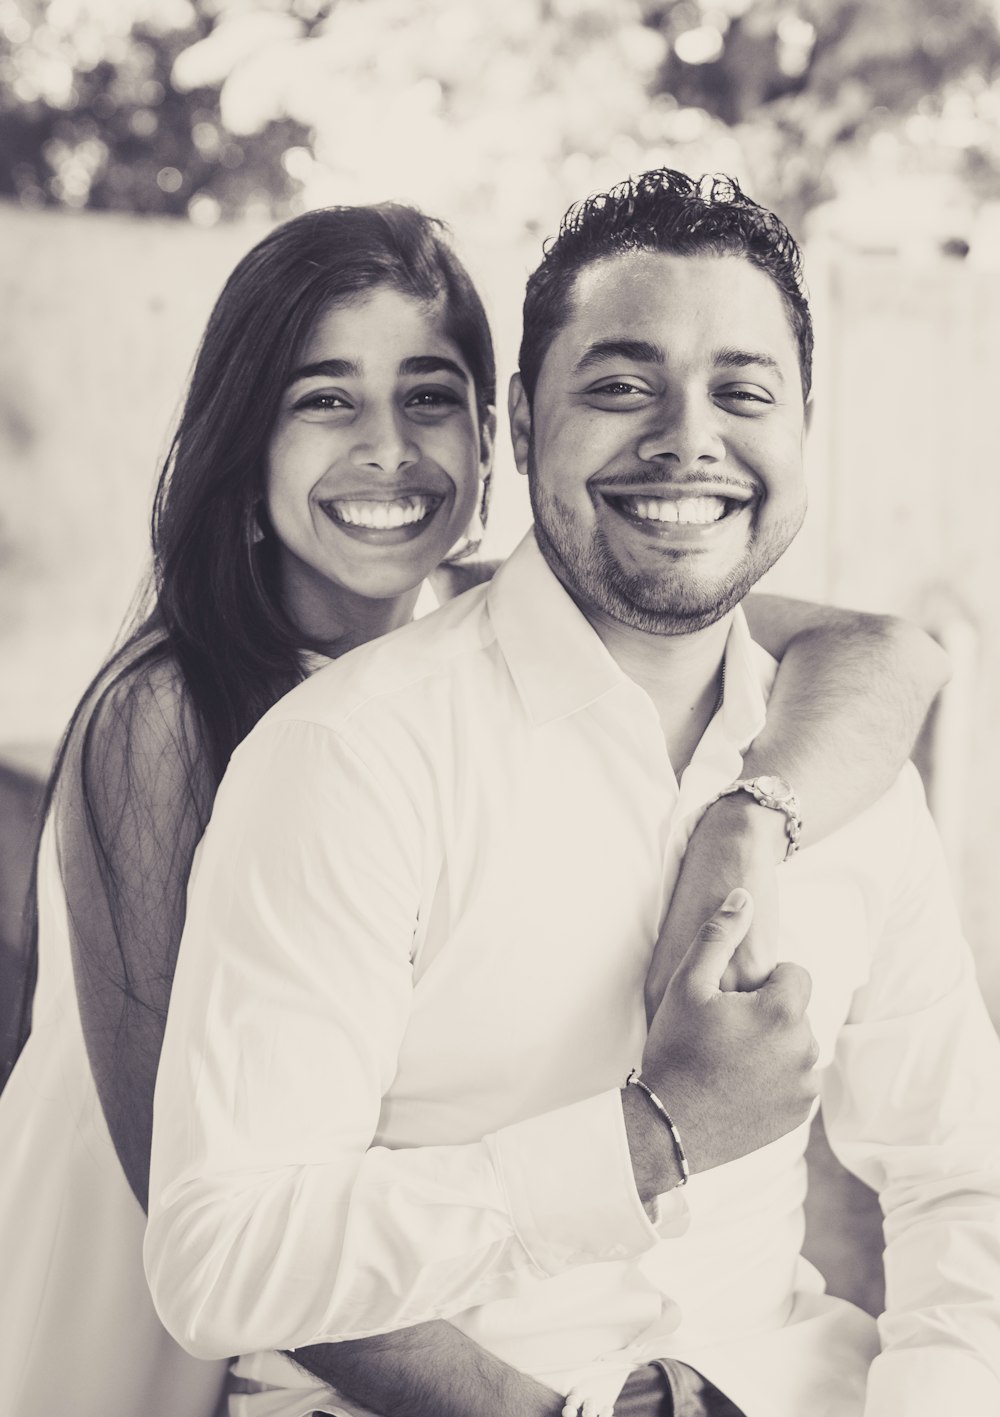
[[90, 115], [808, 81], [500, 109]]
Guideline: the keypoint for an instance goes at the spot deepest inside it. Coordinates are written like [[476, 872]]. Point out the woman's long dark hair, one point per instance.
[[211, 613]]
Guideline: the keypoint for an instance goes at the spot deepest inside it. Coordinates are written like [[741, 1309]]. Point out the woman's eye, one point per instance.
[[322, 402], [433, 399]]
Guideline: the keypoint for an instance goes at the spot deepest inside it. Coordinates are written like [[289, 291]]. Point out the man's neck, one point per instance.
[[682, 674]]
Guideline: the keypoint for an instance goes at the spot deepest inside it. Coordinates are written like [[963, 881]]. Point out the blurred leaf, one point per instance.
[[502, 113], [91, 115]]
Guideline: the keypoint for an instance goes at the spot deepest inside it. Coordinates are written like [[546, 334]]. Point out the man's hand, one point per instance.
[[736, 843], [429, 1370], [734, 1070]]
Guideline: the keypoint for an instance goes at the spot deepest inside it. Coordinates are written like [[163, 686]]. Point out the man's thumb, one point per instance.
[[718, 939]]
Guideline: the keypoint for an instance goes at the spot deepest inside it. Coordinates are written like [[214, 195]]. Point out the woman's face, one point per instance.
[[374, 463]]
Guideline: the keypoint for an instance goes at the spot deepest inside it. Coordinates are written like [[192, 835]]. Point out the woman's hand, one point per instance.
[[737, 843]]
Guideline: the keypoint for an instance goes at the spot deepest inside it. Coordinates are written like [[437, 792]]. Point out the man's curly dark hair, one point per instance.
[[662, 210]]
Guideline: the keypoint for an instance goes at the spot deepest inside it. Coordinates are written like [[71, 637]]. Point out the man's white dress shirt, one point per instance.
[[411, 987]]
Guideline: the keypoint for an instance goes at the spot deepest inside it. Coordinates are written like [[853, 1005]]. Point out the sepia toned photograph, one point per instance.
[[499, 654]]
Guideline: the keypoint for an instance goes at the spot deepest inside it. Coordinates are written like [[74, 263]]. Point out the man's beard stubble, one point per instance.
[[654, 604]]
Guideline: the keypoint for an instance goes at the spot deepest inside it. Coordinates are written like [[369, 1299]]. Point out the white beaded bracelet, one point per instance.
[[636, 1081]]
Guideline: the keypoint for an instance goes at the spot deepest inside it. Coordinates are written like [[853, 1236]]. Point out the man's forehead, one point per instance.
[[625, 292]]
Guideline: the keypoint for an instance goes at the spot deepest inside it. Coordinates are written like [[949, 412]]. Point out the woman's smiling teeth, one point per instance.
[[381, 515], [687, 511]]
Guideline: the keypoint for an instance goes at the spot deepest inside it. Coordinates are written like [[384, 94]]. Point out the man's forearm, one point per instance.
[[429, 1370]]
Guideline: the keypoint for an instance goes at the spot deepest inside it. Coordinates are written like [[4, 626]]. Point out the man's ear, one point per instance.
[[520, 422]]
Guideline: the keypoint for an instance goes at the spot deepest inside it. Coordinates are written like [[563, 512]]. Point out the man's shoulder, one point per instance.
[[399, 670], [879, 841]]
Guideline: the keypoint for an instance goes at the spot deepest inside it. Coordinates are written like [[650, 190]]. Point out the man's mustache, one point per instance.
[[649, 475]]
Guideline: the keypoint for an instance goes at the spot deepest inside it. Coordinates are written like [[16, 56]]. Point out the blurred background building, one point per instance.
[[146, 144]]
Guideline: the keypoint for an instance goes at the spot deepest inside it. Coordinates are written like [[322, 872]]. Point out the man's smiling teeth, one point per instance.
[[685, 510], [383, 516]]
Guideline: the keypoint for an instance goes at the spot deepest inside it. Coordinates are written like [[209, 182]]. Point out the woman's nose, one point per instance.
[[385, 442]]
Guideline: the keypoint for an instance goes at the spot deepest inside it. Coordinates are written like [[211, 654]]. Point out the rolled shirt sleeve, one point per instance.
[[912, 1106], [274, 1221]]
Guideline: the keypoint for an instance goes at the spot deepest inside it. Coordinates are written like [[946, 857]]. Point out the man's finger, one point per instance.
[[787, 989], [751, 964], [716, 942]]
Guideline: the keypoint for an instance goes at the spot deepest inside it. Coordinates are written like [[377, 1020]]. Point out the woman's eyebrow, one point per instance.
[[432, 364], [350, 369], [635, 351], [326, 369]]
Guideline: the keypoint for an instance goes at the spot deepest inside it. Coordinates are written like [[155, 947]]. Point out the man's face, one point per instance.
[[664, 451]]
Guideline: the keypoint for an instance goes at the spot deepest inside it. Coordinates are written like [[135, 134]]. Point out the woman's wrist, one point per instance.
[[745, 823]]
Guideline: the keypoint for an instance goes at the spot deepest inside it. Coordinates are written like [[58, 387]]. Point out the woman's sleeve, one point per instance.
[[912, 1107]]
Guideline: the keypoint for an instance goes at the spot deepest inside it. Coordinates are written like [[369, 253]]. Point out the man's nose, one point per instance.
[[683, 429], [384, 441]]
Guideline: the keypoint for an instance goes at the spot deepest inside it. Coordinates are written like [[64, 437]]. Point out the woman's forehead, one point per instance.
[[378, 319]]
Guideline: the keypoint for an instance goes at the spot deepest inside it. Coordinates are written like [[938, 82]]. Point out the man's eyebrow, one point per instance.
[[634, 351], [744, 358]]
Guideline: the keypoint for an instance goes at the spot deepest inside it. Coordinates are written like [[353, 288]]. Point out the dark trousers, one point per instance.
[[669, 1389], [672, 1389]]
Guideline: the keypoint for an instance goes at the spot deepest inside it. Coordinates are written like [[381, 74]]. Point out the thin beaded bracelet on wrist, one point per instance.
[[636, 1081]]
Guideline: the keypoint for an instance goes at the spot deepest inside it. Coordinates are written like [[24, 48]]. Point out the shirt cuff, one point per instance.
[[571, 1190], [925, 1382]]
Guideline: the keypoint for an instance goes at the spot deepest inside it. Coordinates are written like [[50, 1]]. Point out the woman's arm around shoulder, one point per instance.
[[851, 695]]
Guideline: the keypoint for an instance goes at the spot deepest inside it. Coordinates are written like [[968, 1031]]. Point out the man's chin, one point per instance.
[[649, 604], [673, 619], [675, 602]]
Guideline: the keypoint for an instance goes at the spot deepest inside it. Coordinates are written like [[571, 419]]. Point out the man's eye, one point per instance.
[[618, 389], [749, 397]]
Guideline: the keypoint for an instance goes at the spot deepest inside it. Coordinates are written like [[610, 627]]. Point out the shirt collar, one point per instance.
[[556, 658], [750, 672], [718, 759], [560, 665]]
